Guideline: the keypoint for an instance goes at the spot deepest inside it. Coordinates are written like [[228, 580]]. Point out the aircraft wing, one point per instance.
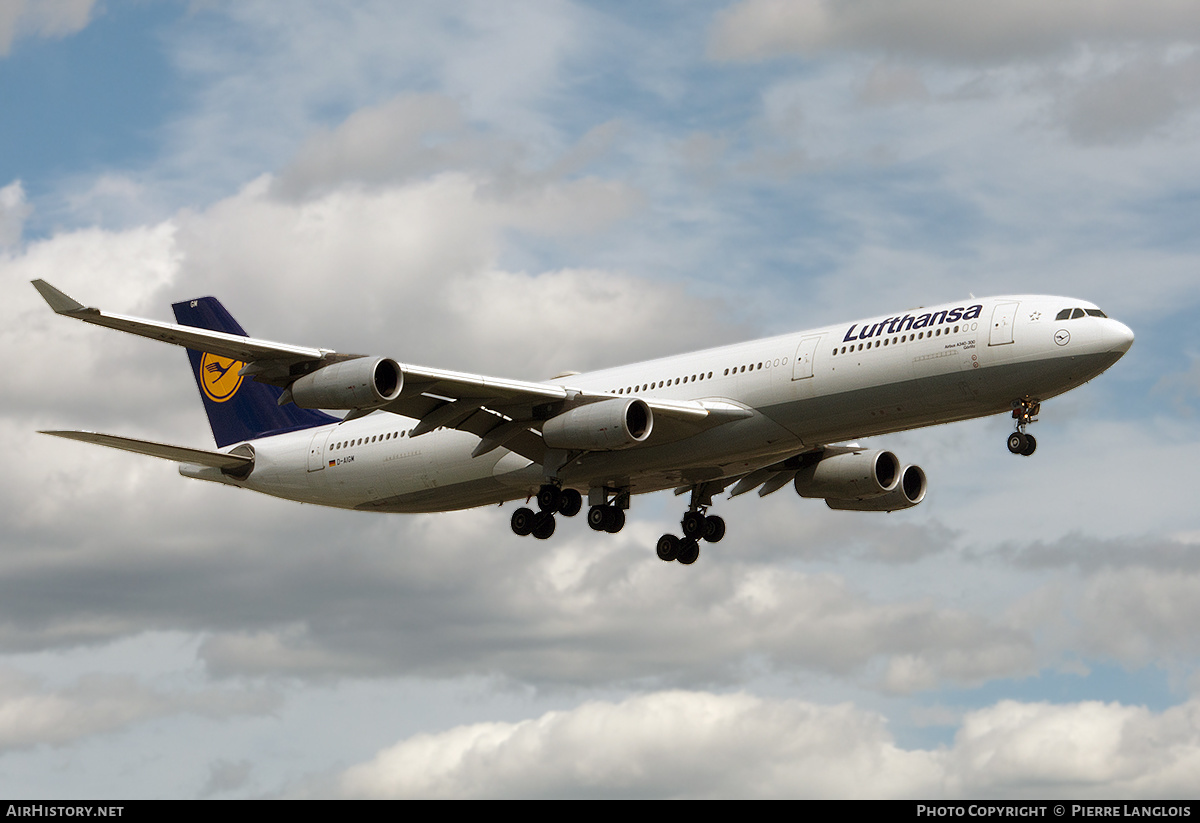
[[498, 410], [244, 349], [180, 454]]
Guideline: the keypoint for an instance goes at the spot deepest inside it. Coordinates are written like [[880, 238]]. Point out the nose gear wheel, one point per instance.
[[1024, 412]]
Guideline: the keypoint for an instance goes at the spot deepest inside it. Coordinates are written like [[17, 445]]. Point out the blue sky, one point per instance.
[[526, 189]]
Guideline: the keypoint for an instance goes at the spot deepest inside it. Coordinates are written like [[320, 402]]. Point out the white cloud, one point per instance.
[[1138, 58], [259, 103], [13, 211], [970, 33], [32, 714], [376, 145], [1141, 616], [226, 776], [411, 270], [1138, 97], [890, 84], [123, 271], [695, 744], [41, 18], [583, 612], [666, 744], [1088, 749]]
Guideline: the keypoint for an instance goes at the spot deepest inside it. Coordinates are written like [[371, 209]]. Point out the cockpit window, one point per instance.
[[1072, 314]]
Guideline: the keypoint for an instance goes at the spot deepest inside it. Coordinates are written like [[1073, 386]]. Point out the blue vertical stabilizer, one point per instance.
[[239, 408]]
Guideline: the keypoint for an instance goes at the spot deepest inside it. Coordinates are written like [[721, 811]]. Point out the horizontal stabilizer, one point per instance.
[[180, 454]]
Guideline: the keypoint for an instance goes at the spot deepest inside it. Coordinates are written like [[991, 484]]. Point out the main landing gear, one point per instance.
[[1024, 412], [607, 518], [610, 517], [551, 499], [696, 527]]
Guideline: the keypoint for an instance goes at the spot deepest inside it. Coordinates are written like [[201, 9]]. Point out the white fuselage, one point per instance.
[[852, 380]]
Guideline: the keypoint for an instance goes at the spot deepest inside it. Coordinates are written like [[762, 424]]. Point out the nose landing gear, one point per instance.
[[1024, 412]]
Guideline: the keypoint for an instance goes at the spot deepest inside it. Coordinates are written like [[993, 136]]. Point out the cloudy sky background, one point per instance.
[[521, 189]]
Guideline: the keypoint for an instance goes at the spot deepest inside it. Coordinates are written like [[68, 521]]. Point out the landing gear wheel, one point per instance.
[[689, 551], [693, 524], [1018, 442], [616, 520], [668, 547], [543, 525], [597, 517], [522, 522], [1025, 411], [1030, 445], [606, 519], [570, 502], [548, 498], [714, 528]]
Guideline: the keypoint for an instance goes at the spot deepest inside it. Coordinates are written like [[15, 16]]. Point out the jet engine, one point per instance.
[[908, 492], [362, 383], [608, 424], [850, 476]]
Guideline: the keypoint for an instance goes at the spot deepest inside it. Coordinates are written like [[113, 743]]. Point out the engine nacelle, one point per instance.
[[850, 476], [363, 383], [608, 424], [908, 492]]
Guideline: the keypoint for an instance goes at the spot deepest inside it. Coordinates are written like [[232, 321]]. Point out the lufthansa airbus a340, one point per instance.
[[751, 416]]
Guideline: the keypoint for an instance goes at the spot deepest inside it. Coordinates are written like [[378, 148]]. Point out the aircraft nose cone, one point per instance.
[[1118, 336]]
